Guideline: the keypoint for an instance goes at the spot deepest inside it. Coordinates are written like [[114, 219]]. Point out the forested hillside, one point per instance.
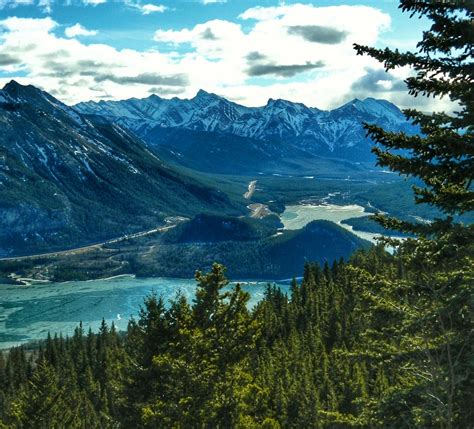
[[67, 180]]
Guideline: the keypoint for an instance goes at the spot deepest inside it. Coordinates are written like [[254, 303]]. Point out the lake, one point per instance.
[[297, 216], [30, 312]]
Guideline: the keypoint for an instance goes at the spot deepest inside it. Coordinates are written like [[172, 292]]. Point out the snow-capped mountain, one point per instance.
[[67, 179], [336, 133]]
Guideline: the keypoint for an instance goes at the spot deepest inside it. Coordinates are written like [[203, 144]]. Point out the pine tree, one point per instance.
[[198, 374], [41, 405], [435, 299]]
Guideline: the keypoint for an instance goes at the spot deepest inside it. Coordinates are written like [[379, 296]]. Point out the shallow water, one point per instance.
[[297, 216], [30, 312]]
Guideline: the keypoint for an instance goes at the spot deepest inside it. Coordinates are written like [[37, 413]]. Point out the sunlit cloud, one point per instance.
[[152, 8], [147, 8], [78, 30]]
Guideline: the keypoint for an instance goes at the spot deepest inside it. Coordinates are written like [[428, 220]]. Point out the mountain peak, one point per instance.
[[368, 101], [12, 84], [35, 98], [27, 92], [204, 95], [283, 104], [375, 107], [154, 97], [279, 102]]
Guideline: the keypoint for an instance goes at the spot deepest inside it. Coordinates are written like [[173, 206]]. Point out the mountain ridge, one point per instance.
[[203, 99], [294, 130]]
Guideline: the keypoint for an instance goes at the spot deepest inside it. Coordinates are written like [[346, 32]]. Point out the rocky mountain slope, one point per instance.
[[280, 131], [68, 179]]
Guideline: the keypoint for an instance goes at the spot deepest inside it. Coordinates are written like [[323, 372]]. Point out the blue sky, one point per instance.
[[245, 50]]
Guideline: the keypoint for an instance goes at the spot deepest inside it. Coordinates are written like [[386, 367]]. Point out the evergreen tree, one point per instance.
[[434, 304], [40, 406], [199, 365]]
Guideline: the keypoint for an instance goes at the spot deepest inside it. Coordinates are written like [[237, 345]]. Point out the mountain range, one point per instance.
[[213, 134], [76, 175], [66, 179]]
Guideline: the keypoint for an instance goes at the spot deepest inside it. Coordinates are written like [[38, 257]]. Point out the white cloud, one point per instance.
[[261, 13], [27, 26], [301, 52], [46, 5], [14, 3], [152, 8], [74, 71], [213, 1], [225, 57], [78, 30], [145, 9], [94, 2]]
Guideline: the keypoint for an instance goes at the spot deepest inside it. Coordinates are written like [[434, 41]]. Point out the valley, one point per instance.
[[103, 190], [169, 223], [247, 251]]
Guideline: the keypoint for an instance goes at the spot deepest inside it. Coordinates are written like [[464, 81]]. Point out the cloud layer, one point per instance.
[[298, 52]]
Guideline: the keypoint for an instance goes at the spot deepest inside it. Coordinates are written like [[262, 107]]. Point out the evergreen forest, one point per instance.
[[377, 341]]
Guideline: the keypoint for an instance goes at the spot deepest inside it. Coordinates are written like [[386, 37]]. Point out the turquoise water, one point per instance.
[[30, 312]]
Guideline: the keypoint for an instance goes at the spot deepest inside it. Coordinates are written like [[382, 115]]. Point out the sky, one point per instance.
[[245, 50]]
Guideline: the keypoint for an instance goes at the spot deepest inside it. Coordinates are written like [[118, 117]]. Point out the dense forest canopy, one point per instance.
[[378, 341]]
